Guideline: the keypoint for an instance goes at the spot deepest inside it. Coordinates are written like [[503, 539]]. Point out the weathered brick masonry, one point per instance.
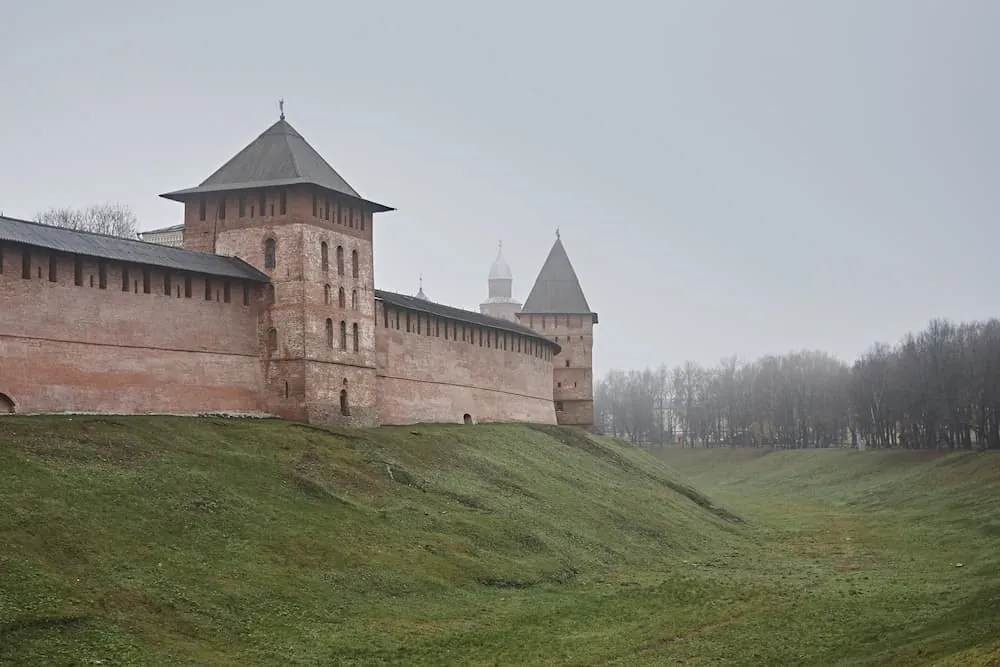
[[86, 348], [271, 308]]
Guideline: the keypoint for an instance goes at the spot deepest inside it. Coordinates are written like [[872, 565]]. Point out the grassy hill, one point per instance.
[[894, 553], [186, 541], [225, 542]]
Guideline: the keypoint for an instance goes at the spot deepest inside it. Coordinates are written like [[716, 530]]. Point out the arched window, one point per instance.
[[343, 335], [272, 339], [324, 252], [270, 252], [6, 405], [354, 330], [340, 260], [329, 332], [341, 297], [268, 294], [354, 299], [326, 295], [354, 263], [345, 409]]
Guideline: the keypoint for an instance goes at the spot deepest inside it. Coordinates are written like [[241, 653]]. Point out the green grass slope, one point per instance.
[[224, 542], [879, 557]]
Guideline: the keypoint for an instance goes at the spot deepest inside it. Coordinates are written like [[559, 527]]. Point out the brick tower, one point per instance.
[[557, 309], [278, 205]]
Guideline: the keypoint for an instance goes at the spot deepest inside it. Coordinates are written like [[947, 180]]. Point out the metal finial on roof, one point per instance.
[[500, 246], [281, 107], [421, 281], [557, 233]]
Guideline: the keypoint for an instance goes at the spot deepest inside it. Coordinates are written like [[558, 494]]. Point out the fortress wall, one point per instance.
[[432, 377], [83, 348]]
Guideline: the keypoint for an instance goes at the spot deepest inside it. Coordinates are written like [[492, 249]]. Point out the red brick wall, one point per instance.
[[65, 347], [573, 384], [426, 378]]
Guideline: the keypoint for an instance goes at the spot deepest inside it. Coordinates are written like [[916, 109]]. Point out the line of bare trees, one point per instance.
[[114, 219], [936, 389]]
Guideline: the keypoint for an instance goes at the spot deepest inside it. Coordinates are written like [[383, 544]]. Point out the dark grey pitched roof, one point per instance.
[[120, 249], [163, 230], [279, 156], [440, 310], [557, 290]]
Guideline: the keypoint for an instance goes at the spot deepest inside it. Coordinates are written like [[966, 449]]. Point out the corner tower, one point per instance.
[[278, 205], [557, 309], [500, 302]]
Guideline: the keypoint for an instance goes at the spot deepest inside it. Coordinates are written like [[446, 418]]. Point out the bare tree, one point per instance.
[[937, 389], [113, 219]]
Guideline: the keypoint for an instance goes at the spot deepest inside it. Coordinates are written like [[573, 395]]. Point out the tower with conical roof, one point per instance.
[[557, 309], [500, 302], [280, 206]]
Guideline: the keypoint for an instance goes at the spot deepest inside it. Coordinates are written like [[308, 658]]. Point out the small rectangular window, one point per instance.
[[226, 293], [78, 271], [363, 216], [102, 275], [246, 294], [262, 202], [53, 267], [407, 323], [283, 201], [243, 206], [202, 208], [315, 205], [208, 288], [326, 211], [125, 280], [166, 283], [222, 209], [147, 281], [187, 286], [26, 263]]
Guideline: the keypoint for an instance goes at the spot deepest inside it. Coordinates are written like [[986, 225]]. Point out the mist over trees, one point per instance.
[[113, 219], [936, 389]]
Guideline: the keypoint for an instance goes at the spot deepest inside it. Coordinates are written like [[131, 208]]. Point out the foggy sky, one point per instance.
[[728, 177]]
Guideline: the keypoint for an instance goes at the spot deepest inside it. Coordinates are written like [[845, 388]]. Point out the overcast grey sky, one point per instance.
[[728, 177]]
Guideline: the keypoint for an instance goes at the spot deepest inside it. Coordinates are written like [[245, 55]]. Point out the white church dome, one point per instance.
[[500, 270]]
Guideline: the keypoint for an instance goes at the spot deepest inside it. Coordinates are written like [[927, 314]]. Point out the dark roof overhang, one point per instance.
[[188, 193], [119, 249], [469, 317]]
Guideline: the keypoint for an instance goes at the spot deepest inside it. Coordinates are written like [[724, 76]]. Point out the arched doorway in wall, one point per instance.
[[467, 418], [6, 405], [345, 408]]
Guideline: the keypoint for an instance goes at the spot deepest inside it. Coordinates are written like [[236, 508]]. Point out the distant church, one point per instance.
[[263, 302]]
